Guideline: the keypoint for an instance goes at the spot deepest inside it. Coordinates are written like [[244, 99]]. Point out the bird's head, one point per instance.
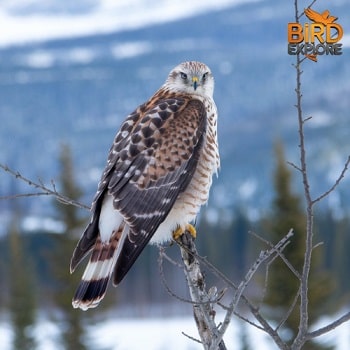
[[191, 77]]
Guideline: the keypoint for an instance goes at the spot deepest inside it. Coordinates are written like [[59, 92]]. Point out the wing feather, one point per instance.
[[159, 174], [151, 161]]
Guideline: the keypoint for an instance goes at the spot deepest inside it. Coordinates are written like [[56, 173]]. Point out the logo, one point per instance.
[[320, 37]]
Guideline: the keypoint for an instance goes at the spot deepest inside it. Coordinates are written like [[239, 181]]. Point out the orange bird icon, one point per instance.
[[323, 17]]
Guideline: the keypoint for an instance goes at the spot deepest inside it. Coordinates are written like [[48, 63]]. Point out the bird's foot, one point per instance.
[[180, 231]]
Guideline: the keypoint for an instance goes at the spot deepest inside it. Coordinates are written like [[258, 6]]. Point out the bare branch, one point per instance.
[[45, 191], [294, 166], [331, 326], [289, 311], [213, 298], [231, 309], [215, 271], [337, 182], [307, 119], [266, 326], [162, 255], [286, 261], [192, 338], [303, 314], [264, 255], [16, 196], [204, 314], [279, 251], [302, 14], [243, 318]]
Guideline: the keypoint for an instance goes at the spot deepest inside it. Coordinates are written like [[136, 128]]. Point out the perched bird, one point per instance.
[[158, 174]]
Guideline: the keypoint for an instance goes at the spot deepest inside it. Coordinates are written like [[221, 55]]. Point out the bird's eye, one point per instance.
[[205, 76], [183, 75]]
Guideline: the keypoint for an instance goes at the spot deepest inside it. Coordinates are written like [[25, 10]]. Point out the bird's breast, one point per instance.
[[188, 203]]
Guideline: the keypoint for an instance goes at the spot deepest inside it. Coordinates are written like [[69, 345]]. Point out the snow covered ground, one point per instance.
[[134, 334], [162, 334]]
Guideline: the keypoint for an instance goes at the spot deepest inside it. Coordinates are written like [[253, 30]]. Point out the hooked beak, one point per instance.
[[195, 82]]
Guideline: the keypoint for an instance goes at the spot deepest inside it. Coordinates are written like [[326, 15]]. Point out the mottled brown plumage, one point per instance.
[[158, 174]]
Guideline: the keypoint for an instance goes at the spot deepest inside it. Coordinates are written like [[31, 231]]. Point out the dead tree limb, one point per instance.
[[203, 311]]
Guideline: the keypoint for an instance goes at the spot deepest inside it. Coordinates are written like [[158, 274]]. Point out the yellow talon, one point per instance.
[[180, 231], [177, 233], [192, 230]]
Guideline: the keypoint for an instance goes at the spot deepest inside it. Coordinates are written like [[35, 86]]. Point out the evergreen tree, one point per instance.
[[225, 241], [22, 302], [283, 285], [72, 320], [336, 236], [342, 257]]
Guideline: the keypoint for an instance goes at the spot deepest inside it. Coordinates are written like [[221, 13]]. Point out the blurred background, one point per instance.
[[70, 72]]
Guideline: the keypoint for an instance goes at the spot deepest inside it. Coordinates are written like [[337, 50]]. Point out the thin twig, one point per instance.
[[337, 182], [23, 195], [264, 255], [163, 279], [303, 13], [192, 338], [167, 257], [289, 311], [45, 190], [266, 327], [294, 166], [307, 119], [162, 255], [241, 317], [280, 253], [329, 327]]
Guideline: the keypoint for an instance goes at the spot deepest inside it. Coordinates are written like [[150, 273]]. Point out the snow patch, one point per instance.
[[131, 49], [39, 59], [33, 224], [247, 189], [38, 21], [163, 333]]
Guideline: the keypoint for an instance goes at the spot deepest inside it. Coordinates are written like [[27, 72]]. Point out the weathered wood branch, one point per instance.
[[204, 313]]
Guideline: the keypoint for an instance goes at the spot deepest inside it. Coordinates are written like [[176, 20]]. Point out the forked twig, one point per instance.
[[45, 191]]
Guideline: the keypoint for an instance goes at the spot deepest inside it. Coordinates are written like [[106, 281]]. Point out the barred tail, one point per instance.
[[98, 272]]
